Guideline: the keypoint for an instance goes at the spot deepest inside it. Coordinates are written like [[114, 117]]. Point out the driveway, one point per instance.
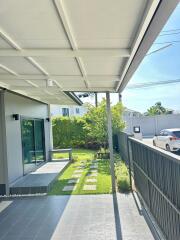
[[82, 217], [149, 141]]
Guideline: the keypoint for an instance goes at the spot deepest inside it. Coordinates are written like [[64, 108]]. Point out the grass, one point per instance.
[[78, 154], [122, 176], [103, 184]]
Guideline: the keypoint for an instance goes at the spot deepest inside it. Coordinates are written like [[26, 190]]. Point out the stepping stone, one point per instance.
[[94, 161], [92, 174], [81, 167], [78, 171], [76, 175], [91, 180], [93, 167], [69, 188], [94, 171], [89, 187], [75, 180]]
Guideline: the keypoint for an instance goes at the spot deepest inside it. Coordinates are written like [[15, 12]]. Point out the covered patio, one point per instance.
[[73, 217]]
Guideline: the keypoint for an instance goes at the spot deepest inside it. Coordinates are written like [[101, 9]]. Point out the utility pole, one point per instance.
[[96, 99], [120, 97]]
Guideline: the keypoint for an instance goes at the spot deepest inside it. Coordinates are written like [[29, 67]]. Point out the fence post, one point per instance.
[[129, 161]]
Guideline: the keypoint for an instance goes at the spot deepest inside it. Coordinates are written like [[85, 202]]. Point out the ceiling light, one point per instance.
[[49, 83]]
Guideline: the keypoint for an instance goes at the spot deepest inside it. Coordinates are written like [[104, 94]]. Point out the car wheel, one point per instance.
[[154, 144], [168, 148]]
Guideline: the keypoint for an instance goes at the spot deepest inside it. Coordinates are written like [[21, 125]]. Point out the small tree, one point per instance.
[[157, 109], [96, 122]]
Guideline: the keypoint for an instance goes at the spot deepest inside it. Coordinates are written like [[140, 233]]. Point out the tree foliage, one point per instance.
[[157, 109], [91, 129], [96, 121], [68, 132]]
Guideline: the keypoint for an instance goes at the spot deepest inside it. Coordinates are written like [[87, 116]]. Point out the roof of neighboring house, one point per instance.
[[130, 110]]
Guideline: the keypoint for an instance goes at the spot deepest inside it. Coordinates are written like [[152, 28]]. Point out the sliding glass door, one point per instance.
[[33, 147], [39, 140]]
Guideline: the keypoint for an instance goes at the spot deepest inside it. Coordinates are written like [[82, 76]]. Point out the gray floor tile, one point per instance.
[[72, 217]]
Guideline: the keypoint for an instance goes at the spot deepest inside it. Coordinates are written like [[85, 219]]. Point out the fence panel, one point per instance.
[[157, 179]]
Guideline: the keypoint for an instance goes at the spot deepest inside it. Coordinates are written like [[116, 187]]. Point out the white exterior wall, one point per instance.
[[56, 110], [151, 125], [2, 167], [15, 104]]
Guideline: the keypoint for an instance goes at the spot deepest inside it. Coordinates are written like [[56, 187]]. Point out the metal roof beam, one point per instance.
[[68, 29], [56, 78], [121, 52]]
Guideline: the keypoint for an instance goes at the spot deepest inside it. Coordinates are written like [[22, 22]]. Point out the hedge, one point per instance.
[[68, 132]]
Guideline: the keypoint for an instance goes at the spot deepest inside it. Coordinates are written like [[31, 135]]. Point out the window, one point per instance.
[[161, 133], [65, 112], [165, 133], [77, 111], [177, 134]]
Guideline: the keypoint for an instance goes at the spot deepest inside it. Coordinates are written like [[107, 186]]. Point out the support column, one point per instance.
[[4, 143], [50, 131], [110, 140]]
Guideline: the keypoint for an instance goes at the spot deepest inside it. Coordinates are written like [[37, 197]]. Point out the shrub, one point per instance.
[[68, 132], [122, 177], [123, 183]]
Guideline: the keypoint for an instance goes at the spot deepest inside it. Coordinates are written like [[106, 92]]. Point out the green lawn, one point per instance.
[[78, 154], [103, 184]]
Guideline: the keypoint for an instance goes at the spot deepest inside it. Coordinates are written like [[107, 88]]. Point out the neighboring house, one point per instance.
[[25, 136], [131, 113], [67, 110]]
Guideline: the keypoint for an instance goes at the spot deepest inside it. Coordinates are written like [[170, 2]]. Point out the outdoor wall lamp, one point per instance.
[[15, 117], [48, 119]]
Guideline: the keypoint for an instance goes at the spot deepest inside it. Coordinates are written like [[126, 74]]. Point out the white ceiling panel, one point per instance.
[[102, 84], [16, 82], [4, 72], [103, 66], [33, 23], [58, 65], [40, 83], [111, 23], [83, 45], [19, 65], [4, 44]]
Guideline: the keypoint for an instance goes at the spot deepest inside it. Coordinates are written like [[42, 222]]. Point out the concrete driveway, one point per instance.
[[149, 141], [83, 217]]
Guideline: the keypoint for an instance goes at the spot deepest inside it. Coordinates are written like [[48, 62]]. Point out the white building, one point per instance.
[[68, 110], [131, 113]]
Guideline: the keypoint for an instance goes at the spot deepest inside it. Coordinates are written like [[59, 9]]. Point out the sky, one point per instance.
[[160, 66]]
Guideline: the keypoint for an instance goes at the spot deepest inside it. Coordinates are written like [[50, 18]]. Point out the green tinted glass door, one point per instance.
[[28, 145], [33, 147], [39, 141]]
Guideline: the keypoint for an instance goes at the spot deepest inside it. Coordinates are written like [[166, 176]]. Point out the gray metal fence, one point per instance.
[[157, 179], [123, 146]]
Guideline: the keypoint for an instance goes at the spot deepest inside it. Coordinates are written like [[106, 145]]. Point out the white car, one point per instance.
[[168, 139]]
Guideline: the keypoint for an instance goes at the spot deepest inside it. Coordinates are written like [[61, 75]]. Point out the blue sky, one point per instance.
[[161, 66]]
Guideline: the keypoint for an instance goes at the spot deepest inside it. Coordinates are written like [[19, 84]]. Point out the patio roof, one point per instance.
[[50, 47]]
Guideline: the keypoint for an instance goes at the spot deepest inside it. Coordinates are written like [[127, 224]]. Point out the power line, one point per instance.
[[152, 84], [168, 34], [170, 42], [159, 49], [171, 30]]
